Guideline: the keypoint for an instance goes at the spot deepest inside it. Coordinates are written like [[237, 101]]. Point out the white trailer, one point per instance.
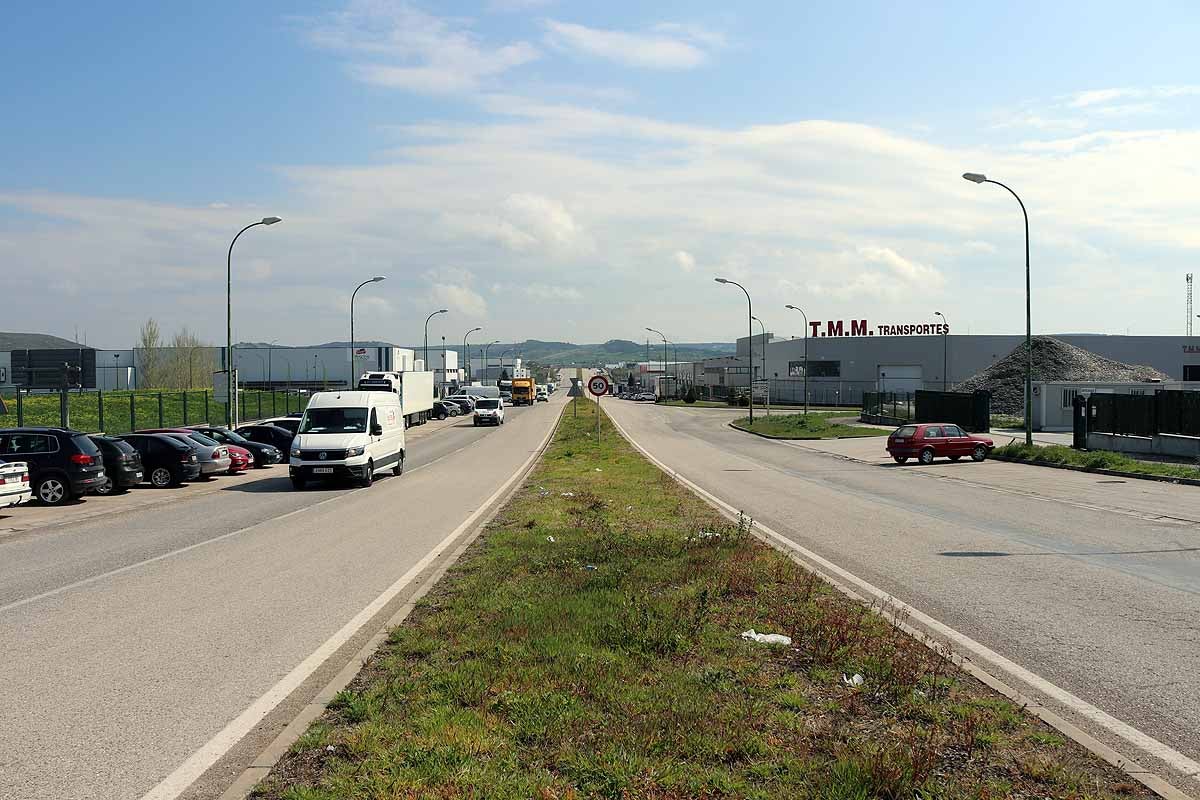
[[414, 388]]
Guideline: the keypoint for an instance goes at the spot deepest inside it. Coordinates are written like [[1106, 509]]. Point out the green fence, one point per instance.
[[122, 412]]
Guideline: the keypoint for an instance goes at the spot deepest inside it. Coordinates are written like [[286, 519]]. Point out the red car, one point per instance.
[[926, 441], [240, 459]]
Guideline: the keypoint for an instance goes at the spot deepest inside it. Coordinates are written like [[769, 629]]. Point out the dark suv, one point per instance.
[[63, 463], [122, 464], [166, 460]]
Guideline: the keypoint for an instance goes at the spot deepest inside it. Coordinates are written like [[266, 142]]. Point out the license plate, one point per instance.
[[137, 475], [323, 470]]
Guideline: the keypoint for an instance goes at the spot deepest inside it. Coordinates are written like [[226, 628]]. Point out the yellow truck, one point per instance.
[[524, 391]]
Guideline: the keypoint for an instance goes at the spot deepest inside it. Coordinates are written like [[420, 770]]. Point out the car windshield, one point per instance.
[[334, 420], [488, 403]]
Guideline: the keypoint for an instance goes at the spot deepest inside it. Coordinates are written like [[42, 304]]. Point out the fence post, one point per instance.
[[20, 408], [274, 413], [64, 410], [206, 419], [260, 416], [100, 409], [160, 410], [132, 412], [185, 416]]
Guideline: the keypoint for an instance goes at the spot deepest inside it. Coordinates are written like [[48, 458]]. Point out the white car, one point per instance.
[[348, 435], [489, 411], [14, 483], [542, 396]]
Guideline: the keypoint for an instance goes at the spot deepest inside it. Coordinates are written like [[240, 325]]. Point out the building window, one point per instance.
[[816, 369], [1068, 398], [1137, 391]]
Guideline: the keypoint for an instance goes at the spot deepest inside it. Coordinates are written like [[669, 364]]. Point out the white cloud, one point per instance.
[[684, 260], [460, 299], [1098, 96], [915, 274], [547, 221], [667, 46], [395, 45], [541, 291]]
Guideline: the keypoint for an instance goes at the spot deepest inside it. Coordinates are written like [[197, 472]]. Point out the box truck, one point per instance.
[[415, 390], [524, 391]]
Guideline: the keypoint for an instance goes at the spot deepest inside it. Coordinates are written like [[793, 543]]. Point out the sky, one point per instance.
[[580, 171]]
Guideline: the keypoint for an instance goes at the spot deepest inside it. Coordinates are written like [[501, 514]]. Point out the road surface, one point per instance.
[[1091, 582], [131, 639]]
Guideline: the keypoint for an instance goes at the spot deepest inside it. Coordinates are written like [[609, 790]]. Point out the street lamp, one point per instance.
[[231, 385], [764, 360], [485, 358], [376, 279], [270, 351], [945, 350], [797, 308], [975, 177], [467, 353], [426, 349], [664, 338], [750, 342]]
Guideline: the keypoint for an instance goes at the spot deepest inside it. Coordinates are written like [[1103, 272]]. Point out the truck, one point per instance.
[[415, 390], [524, 391]]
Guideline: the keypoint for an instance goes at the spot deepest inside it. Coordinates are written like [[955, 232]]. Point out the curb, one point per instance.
[[262, 764], [813, 562], [1098, 471], [794, 439]]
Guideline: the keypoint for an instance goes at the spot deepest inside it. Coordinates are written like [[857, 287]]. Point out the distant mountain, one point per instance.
[[36, 341]]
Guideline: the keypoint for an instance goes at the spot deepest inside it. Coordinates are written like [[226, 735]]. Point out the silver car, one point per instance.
[[214, 456]]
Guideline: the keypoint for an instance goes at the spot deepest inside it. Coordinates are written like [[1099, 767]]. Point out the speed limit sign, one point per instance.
[[598, 385]]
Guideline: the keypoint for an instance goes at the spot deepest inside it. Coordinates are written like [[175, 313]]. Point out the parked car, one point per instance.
[[277, 437], [465, 402], [489, 411], [214, 456], [288, 423], [14, 483], [264, 454], [929, 440], [166, 461], [444, 408], [63, 463], [122, 464], [646, 397], [543, 396]]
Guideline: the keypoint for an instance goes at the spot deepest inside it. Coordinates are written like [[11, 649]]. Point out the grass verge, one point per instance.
[[850, 412], [801, 426], [1093, 459], [587, 646]]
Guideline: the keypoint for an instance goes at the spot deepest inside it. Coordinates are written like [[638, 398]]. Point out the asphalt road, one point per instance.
[[130, 639], [1090, 582]]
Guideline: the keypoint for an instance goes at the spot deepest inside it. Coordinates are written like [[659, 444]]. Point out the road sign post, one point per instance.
[[598, 386]]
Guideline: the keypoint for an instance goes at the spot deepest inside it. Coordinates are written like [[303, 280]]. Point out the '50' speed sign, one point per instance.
[[598, 385]]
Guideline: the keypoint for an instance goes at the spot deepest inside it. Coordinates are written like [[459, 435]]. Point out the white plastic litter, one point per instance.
[[704, 536], [767, 638], [550, 539], [568, 494], [598, 469], [856, 680]]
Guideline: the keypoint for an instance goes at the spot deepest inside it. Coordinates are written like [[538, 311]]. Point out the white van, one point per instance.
[[349, 434]]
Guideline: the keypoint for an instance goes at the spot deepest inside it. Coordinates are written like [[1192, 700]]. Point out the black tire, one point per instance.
[[979, 453], [161, 478], [398, 470], [927, 456], [298, 483], [900, 459], [105, 490], [53, 491], [368, 475]]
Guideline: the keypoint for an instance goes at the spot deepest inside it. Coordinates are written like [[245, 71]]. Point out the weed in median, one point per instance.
[[587, 646]]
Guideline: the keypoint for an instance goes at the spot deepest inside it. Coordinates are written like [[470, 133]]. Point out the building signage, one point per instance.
[[859, 327]]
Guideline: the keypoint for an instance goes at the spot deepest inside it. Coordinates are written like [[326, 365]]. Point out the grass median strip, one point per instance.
[[589, 645], [1094, 459], [805, 426]]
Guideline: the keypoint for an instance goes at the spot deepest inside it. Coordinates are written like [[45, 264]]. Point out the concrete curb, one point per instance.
[[260, 767], [811, 562], [1098, 471], [794, 439]]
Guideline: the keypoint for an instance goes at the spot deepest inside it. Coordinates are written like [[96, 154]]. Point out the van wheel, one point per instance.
[[369, 474], [979, 453], [398, 470], [53, 491], [927, 455]]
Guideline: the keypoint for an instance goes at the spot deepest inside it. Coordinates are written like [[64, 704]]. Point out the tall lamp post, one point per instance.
[[797, 308], [376, 279], [763, 328], [664, 338], [975, 177], [425, 351], [750, 340], [485, 358], [467, 353], [271, 350], [231, 397], [945, 350]]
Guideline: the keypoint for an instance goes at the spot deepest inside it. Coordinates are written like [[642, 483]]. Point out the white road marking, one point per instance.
[[1123, 730], [198, 763]]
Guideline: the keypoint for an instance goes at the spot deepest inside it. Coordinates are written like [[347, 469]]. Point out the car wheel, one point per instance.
[[52, 491], [161, 477], [369, 474], [104, 490], [901, 459], [979, 453], [927, 455], [297, 482], [955, 458], [398, 470]]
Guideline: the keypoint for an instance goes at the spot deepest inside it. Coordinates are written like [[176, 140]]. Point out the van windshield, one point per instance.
[[334, 420], [486, 403]]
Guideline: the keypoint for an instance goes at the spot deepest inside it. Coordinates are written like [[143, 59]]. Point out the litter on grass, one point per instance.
[[703, 536], [767, 638], [568, 494], [550, 539], [856, 680]]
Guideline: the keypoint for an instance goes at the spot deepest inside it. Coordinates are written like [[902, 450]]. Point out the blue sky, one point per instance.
[[595, 163]]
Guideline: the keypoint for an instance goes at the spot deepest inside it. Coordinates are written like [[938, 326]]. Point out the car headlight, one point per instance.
[[296, 452], [355, 451]]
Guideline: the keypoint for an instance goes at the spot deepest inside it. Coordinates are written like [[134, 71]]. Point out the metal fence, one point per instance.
[[1169, 411], [969, 410], [123, 412]]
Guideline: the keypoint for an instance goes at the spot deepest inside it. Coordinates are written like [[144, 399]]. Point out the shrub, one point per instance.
[[690, 397]]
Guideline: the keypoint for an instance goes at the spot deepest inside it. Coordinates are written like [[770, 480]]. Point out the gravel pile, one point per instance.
[[1053, 360]]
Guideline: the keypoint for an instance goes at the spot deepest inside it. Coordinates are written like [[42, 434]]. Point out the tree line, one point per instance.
[[185, 362]]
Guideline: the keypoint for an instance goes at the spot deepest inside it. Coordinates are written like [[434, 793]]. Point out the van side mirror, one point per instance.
[[377, 429]]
